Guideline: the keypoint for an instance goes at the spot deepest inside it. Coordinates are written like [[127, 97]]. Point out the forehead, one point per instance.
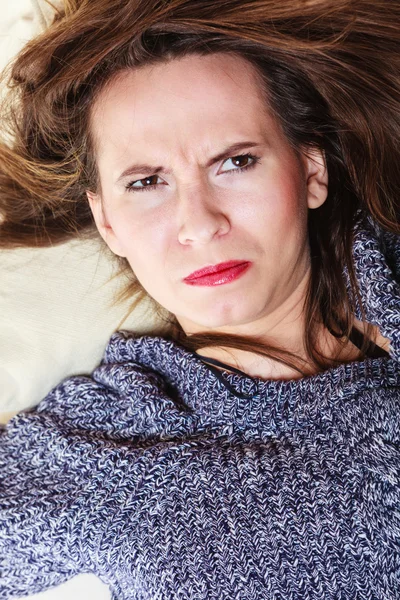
[[181, 103]]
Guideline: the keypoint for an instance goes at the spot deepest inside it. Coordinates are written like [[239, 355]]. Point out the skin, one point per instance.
[[179, 115]]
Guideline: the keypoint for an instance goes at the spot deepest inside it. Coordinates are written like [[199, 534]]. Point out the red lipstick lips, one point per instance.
[[218, 274]]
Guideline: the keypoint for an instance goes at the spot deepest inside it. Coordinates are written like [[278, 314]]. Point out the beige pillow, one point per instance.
[[57, 317], [18, 23]]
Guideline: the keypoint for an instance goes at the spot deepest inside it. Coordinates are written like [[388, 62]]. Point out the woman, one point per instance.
[[190, 137]]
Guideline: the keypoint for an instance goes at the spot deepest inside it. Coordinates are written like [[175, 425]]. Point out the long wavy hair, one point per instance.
[[330, 74]]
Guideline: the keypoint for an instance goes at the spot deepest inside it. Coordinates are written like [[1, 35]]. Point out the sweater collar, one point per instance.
[[162, 366]]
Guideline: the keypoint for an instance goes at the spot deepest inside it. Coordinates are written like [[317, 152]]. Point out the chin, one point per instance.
[[220, 323]]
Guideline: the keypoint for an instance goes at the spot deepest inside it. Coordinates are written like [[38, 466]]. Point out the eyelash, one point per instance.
[[256, 159]]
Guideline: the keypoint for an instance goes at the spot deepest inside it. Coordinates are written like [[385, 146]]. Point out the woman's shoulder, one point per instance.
[[377, 243], [376, 256], [123, 397]]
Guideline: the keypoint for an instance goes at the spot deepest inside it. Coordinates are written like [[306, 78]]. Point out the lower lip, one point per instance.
[[220, 278]]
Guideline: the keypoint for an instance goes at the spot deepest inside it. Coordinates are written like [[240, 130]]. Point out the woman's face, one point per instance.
[[201, 210]]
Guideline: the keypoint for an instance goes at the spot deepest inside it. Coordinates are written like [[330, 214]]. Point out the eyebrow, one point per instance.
[[229, 151]]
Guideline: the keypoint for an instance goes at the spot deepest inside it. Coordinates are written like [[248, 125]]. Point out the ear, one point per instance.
[[316, 177], [102, 224]]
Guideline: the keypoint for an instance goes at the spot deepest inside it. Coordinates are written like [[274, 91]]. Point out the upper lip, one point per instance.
[[215, 268]]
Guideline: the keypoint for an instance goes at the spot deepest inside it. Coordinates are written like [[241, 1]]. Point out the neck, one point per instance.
[[263, 367]]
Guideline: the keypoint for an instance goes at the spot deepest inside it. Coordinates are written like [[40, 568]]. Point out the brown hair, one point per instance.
[[330, 71]]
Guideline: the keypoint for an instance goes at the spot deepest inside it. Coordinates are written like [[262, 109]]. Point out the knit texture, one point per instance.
[[153, 475]]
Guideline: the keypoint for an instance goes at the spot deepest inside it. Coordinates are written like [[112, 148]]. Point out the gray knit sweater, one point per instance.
[[169, 484]]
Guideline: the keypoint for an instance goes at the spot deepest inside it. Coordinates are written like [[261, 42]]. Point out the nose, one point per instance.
[[200, 217]]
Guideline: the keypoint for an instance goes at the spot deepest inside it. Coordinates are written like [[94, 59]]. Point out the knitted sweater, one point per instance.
[[167, 484]]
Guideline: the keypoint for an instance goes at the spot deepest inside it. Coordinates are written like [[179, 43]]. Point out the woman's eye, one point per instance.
[[132, 187], [239, 168], [239, 159]]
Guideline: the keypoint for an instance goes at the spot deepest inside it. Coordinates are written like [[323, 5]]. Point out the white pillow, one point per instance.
[[56, 317], [18, 23], [81, 587]]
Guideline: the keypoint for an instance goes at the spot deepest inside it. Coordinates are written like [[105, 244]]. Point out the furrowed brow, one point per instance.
[[138, 169]]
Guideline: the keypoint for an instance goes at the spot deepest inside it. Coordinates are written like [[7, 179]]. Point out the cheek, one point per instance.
[[145, 248], [276, 227], [290, 198], [277, 208]]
